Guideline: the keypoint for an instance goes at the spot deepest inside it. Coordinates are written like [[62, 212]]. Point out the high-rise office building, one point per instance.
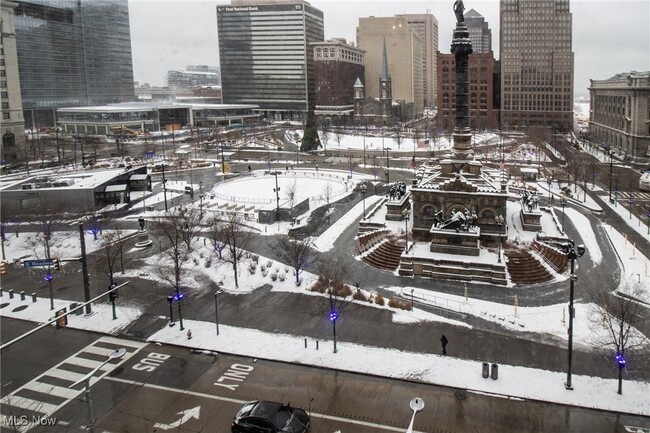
[[479, 32], [405, 52], [187, 80], [266, 55], [536, 64], [12, 125], [337, 66], [72, 53], [426, 27]]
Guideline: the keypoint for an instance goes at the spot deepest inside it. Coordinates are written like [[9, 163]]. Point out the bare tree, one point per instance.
[[298, 253], [49, 217], [332, 280], [327, 194], [338, 136], [179, 231], [232, 233], [399, 134], [619, 314], [112, 249], [325, 136], [290, 195]]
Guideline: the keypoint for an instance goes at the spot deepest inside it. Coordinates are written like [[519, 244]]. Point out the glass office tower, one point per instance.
[[266, 57], [72, 53]]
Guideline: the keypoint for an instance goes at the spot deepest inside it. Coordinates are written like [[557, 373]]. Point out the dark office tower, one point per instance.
[[536, 64], [479, 32], [266, 55], [72, 53]]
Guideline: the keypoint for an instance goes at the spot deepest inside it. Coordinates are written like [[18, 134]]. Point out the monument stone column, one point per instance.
[[461, 48]]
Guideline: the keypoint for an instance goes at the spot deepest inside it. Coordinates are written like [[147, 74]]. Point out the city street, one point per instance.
[[163, 387]]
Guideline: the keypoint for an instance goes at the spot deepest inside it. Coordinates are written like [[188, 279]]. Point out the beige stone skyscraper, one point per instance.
[[536, 64], [426, 27], [405, 53]]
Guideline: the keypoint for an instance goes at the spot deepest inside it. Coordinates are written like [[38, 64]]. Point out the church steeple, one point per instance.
[[385, 89], [385, 75]]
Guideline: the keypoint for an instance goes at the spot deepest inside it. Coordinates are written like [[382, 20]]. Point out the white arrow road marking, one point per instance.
[[186, 415]]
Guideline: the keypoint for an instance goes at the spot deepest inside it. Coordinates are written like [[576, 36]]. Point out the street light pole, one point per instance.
[[563, 201], [610, 175], [276, 190], [216, 309], [387, 149], [499, 220], [164, 182], [116, 354], [363, 192], [406, 214], [572, 254]]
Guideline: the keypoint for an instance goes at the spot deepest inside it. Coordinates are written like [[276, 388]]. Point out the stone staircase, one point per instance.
[[523, 268], [380, 249]]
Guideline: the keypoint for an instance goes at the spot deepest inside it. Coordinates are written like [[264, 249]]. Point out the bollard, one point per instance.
[[495, 371], [22, 295], [316, 344], [33, 297], [305, 343], [11, 293], [486, 370], [1, 293]]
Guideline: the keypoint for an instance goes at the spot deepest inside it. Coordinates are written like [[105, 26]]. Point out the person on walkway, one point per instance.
[[444, 342]]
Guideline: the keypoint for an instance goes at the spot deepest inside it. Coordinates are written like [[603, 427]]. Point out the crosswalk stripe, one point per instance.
[[59, 371], [64, 374], [29, 404], [57, 391], [122, 343], [103, 351]]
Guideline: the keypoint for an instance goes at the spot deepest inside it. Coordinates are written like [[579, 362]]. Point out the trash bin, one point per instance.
[[495, 371], [486, 370]]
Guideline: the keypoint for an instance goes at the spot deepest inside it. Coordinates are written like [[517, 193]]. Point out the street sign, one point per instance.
[[36, 263]]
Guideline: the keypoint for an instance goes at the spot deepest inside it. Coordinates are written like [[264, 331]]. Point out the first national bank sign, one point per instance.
[[257, 8]]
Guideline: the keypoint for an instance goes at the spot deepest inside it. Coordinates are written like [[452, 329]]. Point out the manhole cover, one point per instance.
[[5, 304], [21, 308], [460, 394]]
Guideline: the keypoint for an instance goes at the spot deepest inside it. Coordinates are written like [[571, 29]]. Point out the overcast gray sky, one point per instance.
[[609, 36]]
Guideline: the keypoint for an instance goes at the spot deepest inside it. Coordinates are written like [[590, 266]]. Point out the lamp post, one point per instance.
[[387, 149], [499, 220], [416, 405], [406, 213], [364, 188], [364, 148], [201, 206], [216, 309], [164, 182], [170, 299], [223, 163], [116, 354], [548, 182], [572, 253], [563, 201], [610, 175], [629, 201], [276, 190]]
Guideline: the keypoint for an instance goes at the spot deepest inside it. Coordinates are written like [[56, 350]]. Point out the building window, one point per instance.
[[5, 116], [5, 105]]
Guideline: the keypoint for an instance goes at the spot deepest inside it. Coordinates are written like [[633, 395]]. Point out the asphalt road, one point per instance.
[[162, 388]]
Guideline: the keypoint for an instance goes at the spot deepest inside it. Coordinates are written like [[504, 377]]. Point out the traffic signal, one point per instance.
[[4, 267], [112, 296], [56, 265]]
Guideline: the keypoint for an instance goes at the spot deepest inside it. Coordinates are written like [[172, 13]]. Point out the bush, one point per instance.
[[402, 305], [274, 276], [196, 261], [360, 296], [379, 300], [208, 262], [255, 258], [342, 290], [282, 277], [264, 272], [269, 264], [252, 267]]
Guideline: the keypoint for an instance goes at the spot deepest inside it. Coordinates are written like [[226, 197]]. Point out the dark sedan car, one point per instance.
[[270, 417]]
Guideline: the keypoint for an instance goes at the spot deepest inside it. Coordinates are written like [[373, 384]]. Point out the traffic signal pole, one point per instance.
[[84, 270]]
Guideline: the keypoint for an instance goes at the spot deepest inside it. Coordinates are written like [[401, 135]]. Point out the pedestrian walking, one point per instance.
[[444, 342]]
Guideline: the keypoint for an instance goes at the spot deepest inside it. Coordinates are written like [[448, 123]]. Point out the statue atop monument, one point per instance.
[[459, 7]]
